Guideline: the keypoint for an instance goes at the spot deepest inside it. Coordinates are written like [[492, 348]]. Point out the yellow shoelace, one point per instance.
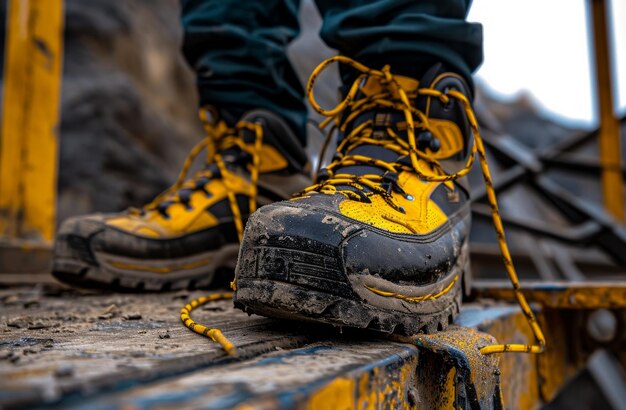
[[362, 135], [219, 138], [420, 162]]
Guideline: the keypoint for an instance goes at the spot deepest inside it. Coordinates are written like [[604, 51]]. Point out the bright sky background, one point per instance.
[[542, 46]]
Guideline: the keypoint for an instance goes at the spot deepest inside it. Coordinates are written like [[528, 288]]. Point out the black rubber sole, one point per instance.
[[288, 283], [288, 301], [69, 268]]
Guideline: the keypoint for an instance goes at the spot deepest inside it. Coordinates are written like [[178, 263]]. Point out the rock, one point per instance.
[[38, 325], [19, 323], [213, 308], [10, 299], [181, 294], [109, 312], [132, 316], [65, 370], [31, 303], [128, 109], [165, 335], [137, 354], [6, 355], [112, 308]]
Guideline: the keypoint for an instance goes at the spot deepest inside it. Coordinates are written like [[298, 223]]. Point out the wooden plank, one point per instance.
[[69, 348], [334, 374], [29, 134], [56, 342], [353, 370]]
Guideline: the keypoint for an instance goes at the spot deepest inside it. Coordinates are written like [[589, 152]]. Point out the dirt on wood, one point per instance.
[[56, 341]]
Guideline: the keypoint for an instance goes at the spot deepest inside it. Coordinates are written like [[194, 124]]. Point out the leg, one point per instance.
[[238, 50], [190, 234], [381, 240], [409, 35]]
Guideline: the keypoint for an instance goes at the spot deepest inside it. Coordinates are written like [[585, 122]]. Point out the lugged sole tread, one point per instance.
[[339, 311], [72, 266]]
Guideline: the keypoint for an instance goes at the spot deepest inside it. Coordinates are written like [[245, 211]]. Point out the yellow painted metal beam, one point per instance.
[[559, 295], [29, 136], [609, 135]]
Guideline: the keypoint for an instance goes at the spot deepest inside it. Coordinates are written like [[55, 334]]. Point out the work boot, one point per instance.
[[193, 229], [381, 240]]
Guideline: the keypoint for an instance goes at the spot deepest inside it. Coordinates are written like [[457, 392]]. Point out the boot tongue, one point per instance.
[[234, 157], [374, 85], [382, 119]]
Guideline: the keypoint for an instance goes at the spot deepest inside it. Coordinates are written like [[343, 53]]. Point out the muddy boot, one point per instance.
[[193, 229], [381, 240]]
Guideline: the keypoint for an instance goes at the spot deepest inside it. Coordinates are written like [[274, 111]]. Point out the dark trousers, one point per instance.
[[238, 48]]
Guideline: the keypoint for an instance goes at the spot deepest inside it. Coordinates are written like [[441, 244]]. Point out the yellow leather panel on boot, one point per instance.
[[373, 85], [271, 159], [449, 135], [183, 220], [422, 214]]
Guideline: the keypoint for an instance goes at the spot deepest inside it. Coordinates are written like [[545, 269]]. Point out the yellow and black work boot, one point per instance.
[[193, 229], [381, 240]]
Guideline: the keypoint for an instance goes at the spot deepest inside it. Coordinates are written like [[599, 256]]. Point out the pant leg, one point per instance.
[[238, 51], [409, 35]]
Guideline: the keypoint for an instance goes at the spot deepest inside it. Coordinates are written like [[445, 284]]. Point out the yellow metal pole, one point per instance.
[[29, 135], [609, 135]]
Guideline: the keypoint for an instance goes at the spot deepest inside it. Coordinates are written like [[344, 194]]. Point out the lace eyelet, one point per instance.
[[450, 104], [435, 145]]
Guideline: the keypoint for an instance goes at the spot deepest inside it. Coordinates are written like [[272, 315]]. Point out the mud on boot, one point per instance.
[[381, 240], [191, 231]]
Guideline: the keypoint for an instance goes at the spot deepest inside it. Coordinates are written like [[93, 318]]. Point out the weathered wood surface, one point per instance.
[[55, 341], [334, 374], [65, 348]]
